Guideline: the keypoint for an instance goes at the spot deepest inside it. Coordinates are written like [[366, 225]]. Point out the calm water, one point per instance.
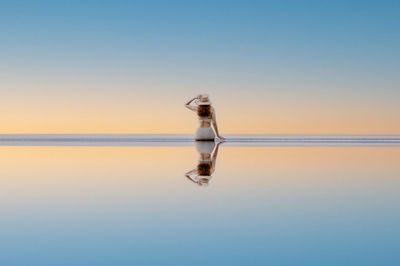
[[266, 204]]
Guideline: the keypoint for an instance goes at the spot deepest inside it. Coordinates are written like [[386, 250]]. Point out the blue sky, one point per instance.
[[344, 51]]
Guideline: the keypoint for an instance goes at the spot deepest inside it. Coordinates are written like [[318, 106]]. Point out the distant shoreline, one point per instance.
[[188, 139]]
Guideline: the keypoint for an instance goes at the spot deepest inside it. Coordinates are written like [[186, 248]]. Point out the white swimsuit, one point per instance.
[[205, 133]]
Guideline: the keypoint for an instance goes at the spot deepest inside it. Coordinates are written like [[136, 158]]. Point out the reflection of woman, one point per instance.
[[208, 152], [206, 114]]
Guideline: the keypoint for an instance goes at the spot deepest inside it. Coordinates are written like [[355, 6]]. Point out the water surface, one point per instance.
[[264, 205]]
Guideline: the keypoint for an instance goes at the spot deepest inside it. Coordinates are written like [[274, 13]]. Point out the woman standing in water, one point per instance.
[[206, 114]]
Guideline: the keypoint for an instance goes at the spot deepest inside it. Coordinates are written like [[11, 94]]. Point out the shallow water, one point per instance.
[[265, 205], [188, 140]]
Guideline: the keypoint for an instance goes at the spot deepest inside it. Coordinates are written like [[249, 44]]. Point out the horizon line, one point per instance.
[[188, 139]]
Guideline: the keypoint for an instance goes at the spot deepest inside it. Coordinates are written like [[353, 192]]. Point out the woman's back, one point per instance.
[[206, 115]]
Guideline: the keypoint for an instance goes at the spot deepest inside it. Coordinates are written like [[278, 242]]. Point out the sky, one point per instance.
[[289, 67]]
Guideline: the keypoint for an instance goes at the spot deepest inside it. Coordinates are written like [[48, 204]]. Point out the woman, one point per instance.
[[208, 152], [206, 115]]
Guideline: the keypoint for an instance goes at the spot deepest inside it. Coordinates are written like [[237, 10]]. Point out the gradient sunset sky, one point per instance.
[[269, 66]]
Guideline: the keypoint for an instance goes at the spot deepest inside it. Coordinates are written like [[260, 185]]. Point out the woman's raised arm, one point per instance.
[[189, 174], [191, 107]]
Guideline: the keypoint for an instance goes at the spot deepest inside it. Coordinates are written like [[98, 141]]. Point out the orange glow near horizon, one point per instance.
[[258, 113], [162, 120]]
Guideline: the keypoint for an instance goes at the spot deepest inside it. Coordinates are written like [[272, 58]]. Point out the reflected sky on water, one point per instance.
[[286, 205]]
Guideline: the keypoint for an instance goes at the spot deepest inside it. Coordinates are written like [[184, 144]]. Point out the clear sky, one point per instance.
[[269, 66]]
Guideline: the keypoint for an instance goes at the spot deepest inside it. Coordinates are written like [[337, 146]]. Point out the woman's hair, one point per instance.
[[204, 110], [204, 169]]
